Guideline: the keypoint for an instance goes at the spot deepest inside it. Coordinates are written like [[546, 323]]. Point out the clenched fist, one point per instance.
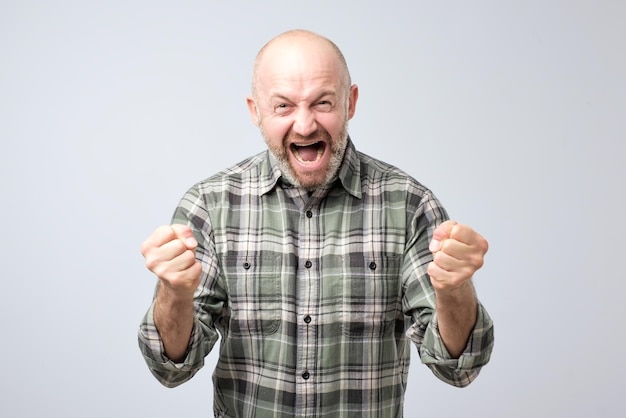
[[458, 251], [170, 253]]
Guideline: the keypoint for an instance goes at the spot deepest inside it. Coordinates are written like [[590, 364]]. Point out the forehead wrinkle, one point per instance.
[[304, 97]]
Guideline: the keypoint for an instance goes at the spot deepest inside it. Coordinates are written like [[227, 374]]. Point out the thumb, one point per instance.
[[441, 233], [184, 233]]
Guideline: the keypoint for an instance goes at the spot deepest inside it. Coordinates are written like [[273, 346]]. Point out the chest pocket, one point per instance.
[[254, 294], [371, 291]]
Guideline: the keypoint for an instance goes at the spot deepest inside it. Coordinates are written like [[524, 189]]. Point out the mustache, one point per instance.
[[319, 134]]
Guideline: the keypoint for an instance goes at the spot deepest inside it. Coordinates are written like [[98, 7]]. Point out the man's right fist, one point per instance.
[[170, 253]]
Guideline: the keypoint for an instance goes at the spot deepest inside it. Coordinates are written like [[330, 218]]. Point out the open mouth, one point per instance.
[[308, 153]]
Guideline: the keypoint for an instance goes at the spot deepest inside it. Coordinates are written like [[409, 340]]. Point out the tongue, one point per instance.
[[308, 153]]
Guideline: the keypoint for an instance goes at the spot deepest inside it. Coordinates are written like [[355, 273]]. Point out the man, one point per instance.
[[315, 263]]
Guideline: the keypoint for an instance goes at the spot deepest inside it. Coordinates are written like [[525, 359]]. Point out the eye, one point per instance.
[[324, 105], [281, 108]]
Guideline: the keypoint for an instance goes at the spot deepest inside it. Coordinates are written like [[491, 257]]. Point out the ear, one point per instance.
[[254, 114], [352, 99]]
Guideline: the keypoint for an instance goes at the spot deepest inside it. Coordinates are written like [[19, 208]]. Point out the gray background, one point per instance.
[[512, 112]]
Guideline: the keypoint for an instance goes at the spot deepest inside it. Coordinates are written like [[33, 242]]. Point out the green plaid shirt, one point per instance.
[[316, 297]]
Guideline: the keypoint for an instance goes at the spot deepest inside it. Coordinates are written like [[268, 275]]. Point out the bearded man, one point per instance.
[[316, 264]]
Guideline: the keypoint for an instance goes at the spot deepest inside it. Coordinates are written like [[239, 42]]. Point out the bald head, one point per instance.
[[296, 43], [302, 100]]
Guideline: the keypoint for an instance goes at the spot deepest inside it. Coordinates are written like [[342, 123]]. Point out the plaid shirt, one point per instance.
[[316, 297]]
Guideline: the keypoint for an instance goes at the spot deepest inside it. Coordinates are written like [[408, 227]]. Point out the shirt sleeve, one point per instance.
[[209, 302], [462, 371], [419, 304]]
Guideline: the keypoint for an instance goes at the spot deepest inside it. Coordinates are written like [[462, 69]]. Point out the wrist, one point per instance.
[[457, 294], [170, 296]]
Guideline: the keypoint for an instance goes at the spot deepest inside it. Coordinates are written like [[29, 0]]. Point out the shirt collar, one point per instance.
[[269, 174], [349, 174], [350, 171]]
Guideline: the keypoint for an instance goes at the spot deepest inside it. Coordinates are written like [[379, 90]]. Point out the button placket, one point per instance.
[[308, 280]]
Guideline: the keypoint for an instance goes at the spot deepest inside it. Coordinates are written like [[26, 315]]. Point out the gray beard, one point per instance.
[[337, 148]]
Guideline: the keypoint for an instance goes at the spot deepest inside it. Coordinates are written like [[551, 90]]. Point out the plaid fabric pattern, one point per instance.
[[315, 296]]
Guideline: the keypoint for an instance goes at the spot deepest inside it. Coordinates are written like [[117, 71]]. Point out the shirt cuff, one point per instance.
[[476, 353], [154, 352]]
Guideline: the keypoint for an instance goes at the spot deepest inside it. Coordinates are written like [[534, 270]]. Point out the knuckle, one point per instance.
[[177, 246], [150, 264], [477, 262], [162, 233], [160, 269], [480, 262], [151, 261], [484, 245], [430, 269], [187, 256]]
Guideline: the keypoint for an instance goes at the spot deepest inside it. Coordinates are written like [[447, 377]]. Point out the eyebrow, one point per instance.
[[326, 93]]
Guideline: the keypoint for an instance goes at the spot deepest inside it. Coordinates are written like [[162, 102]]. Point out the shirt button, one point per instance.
[[309, 214], [307, 319], [246, 265], [306, 375], [372, 266], [308, 264]]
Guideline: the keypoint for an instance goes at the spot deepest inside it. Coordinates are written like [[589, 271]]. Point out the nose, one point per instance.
[[304, 123]]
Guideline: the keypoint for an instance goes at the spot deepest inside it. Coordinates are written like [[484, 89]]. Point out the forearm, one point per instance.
[[456, 317], [173, 318]]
